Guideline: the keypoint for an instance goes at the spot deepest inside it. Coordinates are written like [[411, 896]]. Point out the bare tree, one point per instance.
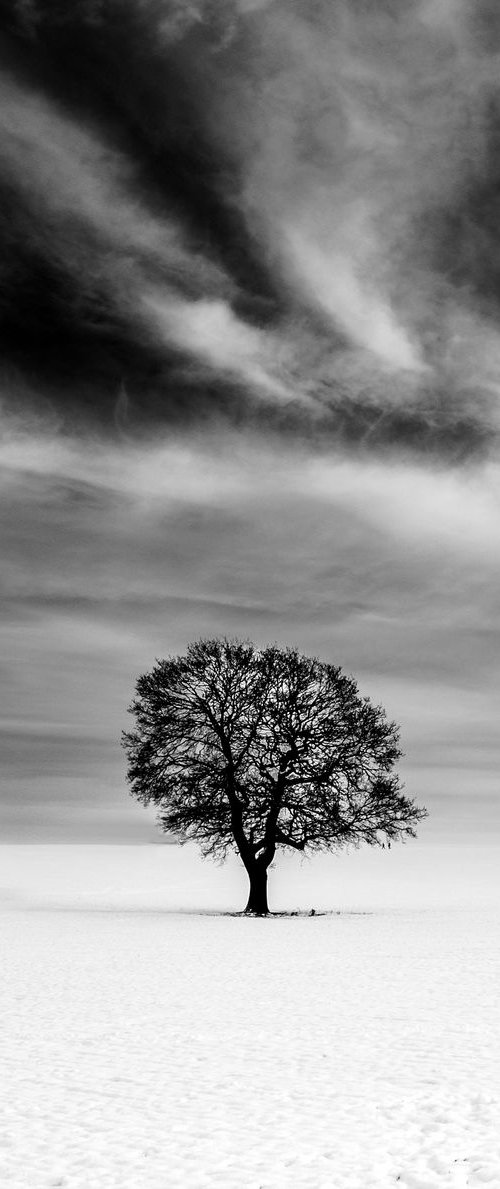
[[255, 750]]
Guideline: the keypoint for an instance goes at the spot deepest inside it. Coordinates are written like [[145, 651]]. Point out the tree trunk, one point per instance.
[[257, 900]]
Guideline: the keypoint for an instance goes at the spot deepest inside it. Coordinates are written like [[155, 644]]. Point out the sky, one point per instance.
[[250, 374]]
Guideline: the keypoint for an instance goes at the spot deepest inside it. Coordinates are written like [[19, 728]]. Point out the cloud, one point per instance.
[[75, 174], [209, 331], [458, 509], [218, 204], [330, 279], [368, 126]]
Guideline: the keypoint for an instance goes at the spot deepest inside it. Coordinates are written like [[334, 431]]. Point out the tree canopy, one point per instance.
[[254, 750]]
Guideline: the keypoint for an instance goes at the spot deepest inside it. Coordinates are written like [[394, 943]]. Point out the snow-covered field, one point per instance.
[[144, 1047]]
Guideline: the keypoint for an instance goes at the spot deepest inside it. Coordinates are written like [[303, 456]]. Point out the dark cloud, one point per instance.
[[270, 215]]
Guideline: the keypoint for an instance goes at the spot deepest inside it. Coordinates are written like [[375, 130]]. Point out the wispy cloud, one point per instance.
[[329, 278], [292, 201], [456, 509], [210, 332]]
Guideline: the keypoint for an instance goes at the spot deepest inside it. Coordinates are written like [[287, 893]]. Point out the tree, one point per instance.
[[256, 750]]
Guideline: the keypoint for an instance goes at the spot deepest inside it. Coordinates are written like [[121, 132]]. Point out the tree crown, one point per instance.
[[255, 749]]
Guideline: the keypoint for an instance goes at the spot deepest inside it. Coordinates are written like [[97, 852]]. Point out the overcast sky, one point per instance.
[[250, 308]]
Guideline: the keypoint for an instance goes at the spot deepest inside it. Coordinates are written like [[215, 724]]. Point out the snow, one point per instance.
[[145, 1047]]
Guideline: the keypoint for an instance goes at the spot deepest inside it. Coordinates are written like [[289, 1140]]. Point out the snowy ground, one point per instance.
[[146, 1048]]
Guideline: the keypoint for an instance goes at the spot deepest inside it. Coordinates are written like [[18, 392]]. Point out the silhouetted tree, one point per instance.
[[255, 750]]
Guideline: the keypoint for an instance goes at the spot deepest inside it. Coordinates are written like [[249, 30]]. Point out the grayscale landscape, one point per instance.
[[249, 460]]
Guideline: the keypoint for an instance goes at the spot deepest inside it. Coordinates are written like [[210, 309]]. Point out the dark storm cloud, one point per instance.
[[271, 214]]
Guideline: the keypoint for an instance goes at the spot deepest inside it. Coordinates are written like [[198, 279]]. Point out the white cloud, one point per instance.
[[348, 134], [458, 509], [439, 508], [329, 274], [212, 333], [73, 171]]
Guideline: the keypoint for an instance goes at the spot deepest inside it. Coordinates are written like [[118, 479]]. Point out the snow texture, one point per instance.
[[149, 1049]]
